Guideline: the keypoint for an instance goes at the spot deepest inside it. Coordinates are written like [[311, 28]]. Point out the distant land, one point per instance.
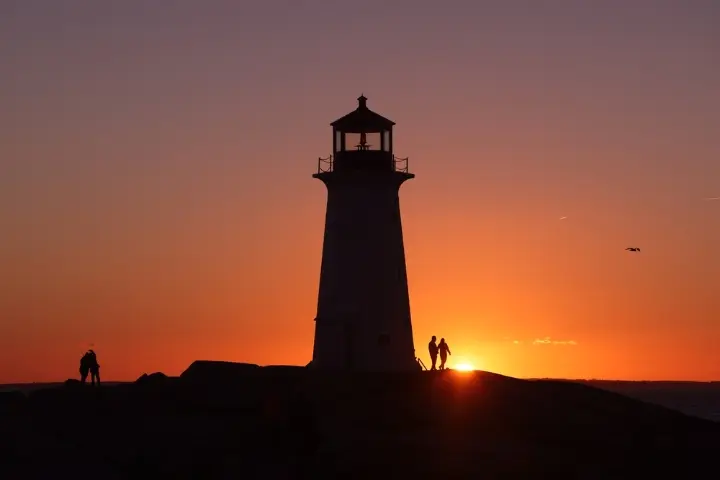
[[700, 399]]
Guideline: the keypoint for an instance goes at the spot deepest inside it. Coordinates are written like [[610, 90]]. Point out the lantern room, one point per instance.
[[363, 140]]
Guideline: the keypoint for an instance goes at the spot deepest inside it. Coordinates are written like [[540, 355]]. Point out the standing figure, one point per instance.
[[433, 351], [94, 367], [84, 367], [444, 352]]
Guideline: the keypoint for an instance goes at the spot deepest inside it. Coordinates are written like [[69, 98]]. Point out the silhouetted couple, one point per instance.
[[89, 364], [434, 349]]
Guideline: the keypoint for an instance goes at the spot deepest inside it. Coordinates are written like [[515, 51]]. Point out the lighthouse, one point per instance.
[[363, 314]]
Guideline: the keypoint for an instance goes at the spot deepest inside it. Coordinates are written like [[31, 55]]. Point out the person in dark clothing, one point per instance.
[[444, 352], [89, 365], [94, 368], [433, 350], [84, 367]]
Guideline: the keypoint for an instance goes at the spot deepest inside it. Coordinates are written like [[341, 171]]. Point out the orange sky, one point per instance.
[[156, 197]]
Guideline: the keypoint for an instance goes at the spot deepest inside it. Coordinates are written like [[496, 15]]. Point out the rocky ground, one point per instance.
[[222, 420]]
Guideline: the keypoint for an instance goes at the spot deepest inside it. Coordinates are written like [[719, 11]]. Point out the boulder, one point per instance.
[[72, 383], [206, 371], [157, 378]]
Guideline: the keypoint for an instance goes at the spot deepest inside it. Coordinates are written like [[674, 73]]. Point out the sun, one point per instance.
[[463, 367]]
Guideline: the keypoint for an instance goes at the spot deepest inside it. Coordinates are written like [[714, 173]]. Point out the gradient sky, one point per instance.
[[156, 197]]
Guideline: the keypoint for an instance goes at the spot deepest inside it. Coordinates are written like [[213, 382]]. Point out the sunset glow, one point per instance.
[[463, 367], [156, 197]]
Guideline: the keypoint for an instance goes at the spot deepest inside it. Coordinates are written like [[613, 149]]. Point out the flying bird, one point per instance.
[[633, 249]]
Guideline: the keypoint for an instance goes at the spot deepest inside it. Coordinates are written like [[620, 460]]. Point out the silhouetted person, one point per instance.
[[444, 352], [84, 367], [433, 351], [94, 367]]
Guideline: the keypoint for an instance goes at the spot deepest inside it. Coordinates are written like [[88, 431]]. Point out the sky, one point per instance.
[[156, 198]]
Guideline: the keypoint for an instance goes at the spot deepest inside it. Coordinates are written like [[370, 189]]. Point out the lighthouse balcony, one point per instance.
[[373, 161]]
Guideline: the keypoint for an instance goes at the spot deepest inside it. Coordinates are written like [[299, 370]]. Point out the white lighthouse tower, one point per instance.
[[363, 315]]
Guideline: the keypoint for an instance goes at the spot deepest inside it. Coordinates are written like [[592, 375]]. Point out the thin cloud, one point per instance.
[[549, 341], [712, 198], [563, 218]]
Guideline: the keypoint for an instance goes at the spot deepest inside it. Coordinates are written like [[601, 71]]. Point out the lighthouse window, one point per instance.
[[362, 141], [386, 141], [338, 141]]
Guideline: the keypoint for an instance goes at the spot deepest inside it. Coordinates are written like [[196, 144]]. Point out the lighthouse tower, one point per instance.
[[363, 314]]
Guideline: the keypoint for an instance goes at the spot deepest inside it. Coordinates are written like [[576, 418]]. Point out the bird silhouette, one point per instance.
[[632, 249]]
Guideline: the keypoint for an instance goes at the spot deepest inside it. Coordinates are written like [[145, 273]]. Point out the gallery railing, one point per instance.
[[401, 164], [327, 164]]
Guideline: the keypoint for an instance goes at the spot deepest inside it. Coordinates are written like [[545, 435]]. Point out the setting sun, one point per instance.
[[464, 367]]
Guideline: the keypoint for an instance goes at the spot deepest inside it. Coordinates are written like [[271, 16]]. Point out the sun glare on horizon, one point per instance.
[[463, 367]]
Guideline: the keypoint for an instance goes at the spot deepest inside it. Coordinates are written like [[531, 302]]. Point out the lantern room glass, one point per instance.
[[362, 141]]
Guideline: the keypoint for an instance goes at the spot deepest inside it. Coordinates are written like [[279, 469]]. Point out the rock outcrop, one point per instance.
[[223, 420]]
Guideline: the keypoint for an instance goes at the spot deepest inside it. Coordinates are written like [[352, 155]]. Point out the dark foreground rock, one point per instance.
[[221, 420]]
